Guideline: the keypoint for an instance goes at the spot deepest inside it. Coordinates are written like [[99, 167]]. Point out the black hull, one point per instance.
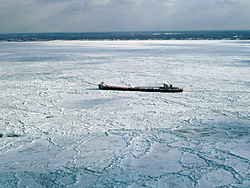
[[170, 90]]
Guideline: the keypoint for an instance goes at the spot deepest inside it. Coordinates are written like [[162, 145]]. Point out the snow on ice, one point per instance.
[[58, 130]]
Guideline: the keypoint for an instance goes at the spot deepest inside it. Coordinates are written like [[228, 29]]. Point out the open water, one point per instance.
[[58, 130]]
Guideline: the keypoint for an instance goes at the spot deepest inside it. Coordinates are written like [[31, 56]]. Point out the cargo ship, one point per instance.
[[168, 88]]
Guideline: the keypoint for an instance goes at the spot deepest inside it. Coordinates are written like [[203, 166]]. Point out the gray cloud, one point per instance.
[[122, 15]]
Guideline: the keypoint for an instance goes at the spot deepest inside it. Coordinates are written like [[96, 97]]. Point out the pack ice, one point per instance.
[[57, 129]]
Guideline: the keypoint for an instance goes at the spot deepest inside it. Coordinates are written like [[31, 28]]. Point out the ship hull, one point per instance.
[[170, 90]]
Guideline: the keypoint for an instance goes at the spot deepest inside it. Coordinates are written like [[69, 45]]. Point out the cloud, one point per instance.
[[216, 14], [122, 15]]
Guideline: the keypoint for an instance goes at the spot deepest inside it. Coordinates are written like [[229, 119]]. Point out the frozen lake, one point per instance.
[[58, 130]]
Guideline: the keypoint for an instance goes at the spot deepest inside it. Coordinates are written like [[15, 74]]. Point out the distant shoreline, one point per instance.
[[147, 35]]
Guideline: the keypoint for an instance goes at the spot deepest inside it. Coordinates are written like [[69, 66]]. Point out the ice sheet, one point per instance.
[[58, 130]]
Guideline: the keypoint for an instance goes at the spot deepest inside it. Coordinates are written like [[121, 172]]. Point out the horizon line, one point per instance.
[[82, 32]]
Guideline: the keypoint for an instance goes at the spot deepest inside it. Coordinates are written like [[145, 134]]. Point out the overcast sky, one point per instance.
[[22, 16]]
